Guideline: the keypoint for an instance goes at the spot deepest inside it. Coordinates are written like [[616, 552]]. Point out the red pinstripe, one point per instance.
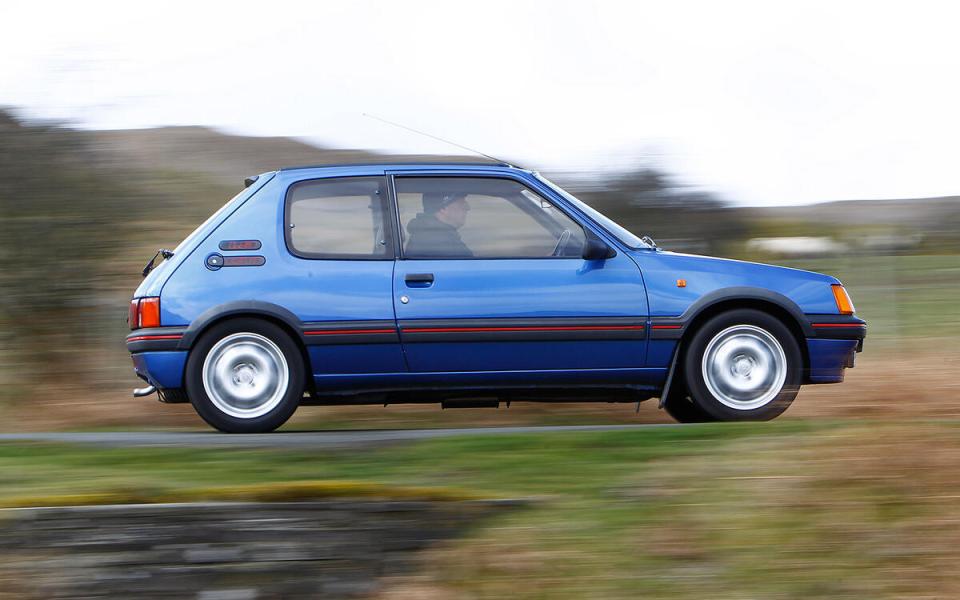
[[170, 336], [528, 328], [347, 331]]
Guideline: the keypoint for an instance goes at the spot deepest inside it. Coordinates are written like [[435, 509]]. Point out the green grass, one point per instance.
[[790, 509], [512, 464]]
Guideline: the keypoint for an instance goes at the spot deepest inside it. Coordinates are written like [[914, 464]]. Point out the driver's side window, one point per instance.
[[482, 217]]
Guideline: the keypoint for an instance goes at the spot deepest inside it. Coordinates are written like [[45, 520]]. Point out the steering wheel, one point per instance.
[[561, 243]]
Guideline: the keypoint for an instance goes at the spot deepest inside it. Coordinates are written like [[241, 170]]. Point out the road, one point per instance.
[[288, 439]]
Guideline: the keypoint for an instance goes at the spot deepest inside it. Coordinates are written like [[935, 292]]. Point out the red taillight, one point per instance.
[[150, 312], [133, 315], [144, 312]]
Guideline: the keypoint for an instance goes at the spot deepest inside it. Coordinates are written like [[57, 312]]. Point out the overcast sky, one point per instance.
[[763, 102]]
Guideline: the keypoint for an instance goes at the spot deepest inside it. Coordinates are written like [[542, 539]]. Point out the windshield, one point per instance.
[[604, 221]]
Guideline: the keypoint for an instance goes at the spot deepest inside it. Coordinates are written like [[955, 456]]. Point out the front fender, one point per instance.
[[738, 293]]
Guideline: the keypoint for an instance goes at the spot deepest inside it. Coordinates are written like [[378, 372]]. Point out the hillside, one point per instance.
[[224, 158], [922, 213]]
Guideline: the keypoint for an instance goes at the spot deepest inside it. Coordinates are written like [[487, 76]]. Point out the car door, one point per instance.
[[492, 278], [340, 239]]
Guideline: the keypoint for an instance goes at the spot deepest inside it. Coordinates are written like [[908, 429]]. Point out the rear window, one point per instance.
[[339, 218]]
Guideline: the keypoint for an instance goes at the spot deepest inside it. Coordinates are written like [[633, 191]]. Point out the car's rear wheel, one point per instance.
[[743, 365], [245, 376]]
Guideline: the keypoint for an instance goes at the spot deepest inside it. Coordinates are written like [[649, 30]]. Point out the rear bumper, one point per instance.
[[161, 369], [155, 339], [157, 356]]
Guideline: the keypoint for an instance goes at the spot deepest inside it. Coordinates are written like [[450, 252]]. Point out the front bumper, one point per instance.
[[838, 327], [833, 348]]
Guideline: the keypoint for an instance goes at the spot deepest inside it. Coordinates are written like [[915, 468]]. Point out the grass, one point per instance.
[[290, 491], [903, 298], [790, 509], [512, 464]]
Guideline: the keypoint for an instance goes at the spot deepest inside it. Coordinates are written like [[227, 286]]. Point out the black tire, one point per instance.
[[681, 407], [751, 329], [282, 402]]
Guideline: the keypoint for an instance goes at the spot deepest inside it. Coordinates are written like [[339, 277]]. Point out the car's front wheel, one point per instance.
[[683, 408], [743, 365], [245, 376]]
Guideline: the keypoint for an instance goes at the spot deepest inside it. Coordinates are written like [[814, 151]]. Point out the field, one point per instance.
[[906, 298], [792, 509], [851, 494]]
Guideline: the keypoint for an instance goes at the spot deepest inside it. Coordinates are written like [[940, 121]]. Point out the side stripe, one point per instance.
[[347, 331], [527, 328], [141, 338]]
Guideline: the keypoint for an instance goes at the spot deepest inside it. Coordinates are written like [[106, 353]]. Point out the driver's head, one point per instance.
[[451, 209]]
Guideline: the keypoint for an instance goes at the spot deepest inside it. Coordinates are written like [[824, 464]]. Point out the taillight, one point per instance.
[[150, 312], [133, 315], [844, 303], [144, 312]]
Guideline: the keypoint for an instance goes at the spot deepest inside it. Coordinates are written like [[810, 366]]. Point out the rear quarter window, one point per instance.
[[343, 218]]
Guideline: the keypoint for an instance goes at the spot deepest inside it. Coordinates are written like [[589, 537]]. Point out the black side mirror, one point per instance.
[[596, 249]]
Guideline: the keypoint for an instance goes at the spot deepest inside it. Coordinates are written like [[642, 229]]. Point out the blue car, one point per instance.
[[467, 285]]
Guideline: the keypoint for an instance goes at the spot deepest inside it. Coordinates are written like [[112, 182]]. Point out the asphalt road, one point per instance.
[[288, 439]]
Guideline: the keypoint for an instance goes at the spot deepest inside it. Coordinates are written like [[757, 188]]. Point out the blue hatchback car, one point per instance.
[[467, 285]]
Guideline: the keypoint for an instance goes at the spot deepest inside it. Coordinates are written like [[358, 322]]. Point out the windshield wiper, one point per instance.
[[161, 252], [649, 241]]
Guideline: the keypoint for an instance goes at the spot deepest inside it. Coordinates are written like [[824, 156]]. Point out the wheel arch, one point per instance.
[[279, 316], [772, 303]]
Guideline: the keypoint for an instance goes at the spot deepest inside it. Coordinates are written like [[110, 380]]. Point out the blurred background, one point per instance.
[[816, 135]]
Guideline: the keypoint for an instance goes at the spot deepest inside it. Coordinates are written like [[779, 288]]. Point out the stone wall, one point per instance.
[[317, 549]]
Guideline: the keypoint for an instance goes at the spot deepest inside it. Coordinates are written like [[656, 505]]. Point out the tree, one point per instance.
[[59, 217], [647, 201]]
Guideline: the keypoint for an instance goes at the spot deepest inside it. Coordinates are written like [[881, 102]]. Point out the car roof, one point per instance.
[[308, 171], [389, 164]]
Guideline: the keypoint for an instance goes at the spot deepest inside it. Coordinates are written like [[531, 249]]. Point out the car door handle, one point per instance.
[[418, 279]]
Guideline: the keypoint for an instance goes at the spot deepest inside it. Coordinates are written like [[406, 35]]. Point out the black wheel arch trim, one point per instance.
[[239, 308], [673, 328]]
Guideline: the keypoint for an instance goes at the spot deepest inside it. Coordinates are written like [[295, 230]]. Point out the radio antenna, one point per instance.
[[438, 138]]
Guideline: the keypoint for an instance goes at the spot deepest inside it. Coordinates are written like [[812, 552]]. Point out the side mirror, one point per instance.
[[596, 249]]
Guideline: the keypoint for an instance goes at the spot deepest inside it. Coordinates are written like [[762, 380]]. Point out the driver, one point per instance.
[[434, 232]]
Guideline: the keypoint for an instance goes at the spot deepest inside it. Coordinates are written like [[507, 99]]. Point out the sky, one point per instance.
[[763, 103]]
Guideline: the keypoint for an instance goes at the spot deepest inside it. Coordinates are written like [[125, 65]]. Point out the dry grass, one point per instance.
[[285, 491], [855, 512], [816, 508], [918, 384]]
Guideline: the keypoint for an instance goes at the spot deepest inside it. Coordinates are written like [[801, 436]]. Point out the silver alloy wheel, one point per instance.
[[744, 367], [245, 375]]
